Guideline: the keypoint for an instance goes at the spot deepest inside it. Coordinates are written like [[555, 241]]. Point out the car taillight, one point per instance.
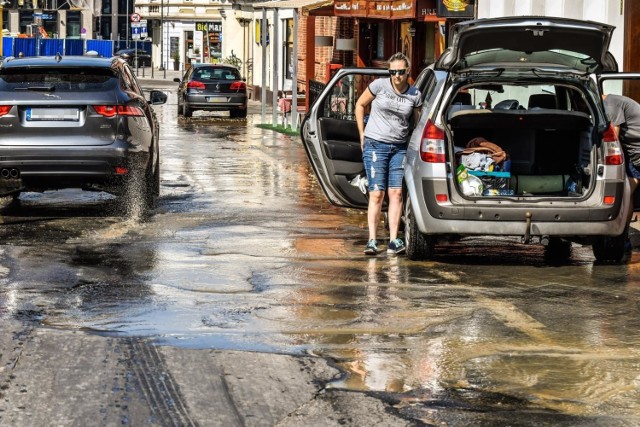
[[432, 144], [4, 109], [120, 110], [238, 86], [612, 150], [194, 84]]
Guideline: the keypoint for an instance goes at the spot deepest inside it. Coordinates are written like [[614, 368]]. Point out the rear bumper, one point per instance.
[[53, 168], [200, 102], [502, 217]]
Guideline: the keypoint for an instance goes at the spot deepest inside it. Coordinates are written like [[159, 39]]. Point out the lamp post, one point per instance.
[[161, 68]]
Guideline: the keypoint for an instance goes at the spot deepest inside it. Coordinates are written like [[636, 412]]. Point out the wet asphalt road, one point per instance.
[[243, 253]]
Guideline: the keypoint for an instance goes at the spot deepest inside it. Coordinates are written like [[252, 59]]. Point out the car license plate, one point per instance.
[[53, 114], [217, 99]]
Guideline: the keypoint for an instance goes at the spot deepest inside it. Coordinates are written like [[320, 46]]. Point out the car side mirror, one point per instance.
[[176, 79], [157, 97]]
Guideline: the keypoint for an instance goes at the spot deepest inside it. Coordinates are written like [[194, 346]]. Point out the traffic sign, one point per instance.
[[135, 30], [143, 29], [135, 17]]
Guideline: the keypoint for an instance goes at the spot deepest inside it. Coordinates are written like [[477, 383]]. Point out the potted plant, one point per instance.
[[176, 60]]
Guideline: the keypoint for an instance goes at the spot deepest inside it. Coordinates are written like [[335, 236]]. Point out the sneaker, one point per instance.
[[396, 247], [372, 247]]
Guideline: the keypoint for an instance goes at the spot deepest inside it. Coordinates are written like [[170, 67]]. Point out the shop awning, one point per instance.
[[293, 4]]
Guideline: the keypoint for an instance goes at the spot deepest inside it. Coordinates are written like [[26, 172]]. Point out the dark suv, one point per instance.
[[513, 139], [77, 122]]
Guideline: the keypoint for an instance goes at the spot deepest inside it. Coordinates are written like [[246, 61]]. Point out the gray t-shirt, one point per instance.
[[390, 116], [625, 113]]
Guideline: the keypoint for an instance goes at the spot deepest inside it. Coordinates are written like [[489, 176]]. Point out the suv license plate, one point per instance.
[[53, 114], [217, 99]]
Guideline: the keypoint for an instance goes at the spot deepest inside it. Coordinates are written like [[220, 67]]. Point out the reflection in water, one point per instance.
[[244, 252]]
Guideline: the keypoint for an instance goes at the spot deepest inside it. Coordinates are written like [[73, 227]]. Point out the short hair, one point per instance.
[[399, 56]]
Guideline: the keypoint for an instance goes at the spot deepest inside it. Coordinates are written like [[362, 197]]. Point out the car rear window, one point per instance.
[[58, 79], [216, 74]]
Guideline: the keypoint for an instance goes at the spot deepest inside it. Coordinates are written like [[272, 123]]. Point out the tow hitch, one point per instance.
[[527, 232]]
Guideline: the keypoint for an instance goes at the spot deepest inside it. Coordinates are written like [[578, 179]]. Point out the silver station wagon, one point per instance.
[[513, 139]]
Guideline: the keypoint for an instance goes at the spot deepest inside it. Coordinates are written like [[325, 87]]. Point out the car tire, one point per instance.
[[186, 111], [138, 197], [156, 180], [610, 249], [419, 246], [557, 250], [238, 114]]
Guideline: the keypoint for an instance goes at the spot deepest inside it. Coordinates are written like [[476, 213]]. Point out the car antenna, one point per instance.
[[58, 57]]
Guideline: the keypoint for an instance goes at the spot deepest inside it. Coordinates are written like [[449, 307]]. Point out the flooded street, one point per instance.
[[243, 252]]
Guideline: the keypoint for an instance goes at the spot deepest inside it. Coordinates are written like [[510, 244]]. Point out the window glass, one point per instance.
[[60, 79], [341, 103]]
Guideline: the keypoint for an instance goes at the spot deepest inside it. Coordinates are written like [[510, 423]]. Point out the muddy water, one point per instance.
[[244, 252]]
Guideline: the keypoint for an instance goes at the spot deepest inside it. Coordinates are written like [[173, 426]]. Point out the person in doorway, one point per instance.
[[624, 114], [395, 106]]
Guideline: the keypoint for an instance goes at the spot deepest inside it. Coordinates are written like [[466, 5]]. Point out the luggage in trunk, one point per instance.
[[548, 151]]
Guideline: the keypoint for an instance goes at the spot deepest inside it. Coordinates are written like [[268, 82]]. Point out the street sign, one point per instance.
[[143, 29], [136, 30], [135, 17]]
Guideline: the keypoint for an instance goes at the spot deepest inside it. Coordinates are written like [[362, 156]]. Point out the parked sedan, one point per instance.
[[78, 122], [130, 55], [513, 139], [211, 87]]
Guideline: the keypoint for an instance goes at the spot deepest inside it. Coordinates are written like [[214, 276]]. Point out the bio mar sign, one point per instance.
[[209, 27]]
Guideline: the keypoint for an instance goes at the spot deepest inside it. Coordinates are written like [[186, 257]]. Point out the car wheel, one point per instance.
[[138, 196], [419, 246], [238, 114], [610, 249], [557, 250], [186, 111], [156, 180]]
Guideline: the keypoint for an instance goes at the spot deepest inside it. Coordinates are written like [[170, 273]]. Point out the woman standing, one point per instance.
[[395, 106]]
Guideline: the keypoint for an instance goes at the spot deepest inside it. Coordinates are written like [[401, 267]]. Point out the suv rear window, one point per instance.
[[58, 79]]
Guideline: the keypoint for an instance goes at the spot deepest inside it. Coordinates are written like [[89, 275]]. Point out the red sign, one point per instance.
[[135, 17]]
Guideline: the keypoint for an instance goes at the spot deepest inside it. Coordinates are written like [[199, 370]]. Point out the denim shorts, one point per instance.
[[384, 164], [632, 170]]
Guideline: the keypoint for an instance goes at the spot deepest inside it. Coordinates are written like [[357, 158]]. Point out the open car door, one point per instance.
[[330, 136], [627, 84]]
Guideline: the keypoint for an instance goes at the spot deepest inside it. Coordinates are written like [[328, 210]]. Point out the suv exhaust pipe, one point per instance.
[[12, 173]]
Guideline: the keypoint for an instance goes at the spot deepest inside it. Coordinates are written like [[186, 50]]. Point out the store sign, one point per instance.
[[390, 9], [208, 27], [456, 8]]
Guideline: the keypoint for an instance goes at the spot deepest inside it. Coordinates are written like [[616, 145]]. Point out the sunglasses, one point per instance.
[[398, 72]]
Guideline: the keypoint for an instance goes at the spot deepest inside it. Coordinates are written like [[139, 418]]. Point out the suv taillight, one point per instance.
[[238, 86], [119, 110], [4, 109], [612, 150], [194, 84], [432, 144]]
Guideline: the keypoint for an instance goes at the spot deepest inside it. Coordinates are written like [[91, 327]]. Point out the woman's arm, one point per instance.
[[365, 99]]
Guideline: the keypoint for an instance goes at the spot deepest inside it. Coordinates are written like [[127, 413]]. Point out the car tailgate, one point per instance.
[[49, 119]]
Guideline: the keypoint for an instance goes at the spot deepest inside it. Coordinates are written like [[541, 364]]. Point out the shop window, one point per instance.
[[288, 48], [74, 24], [50, 23]]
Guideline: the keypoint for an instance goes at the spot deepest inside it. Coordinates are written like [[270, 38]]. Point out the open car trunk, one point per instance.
[[547, 152]]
